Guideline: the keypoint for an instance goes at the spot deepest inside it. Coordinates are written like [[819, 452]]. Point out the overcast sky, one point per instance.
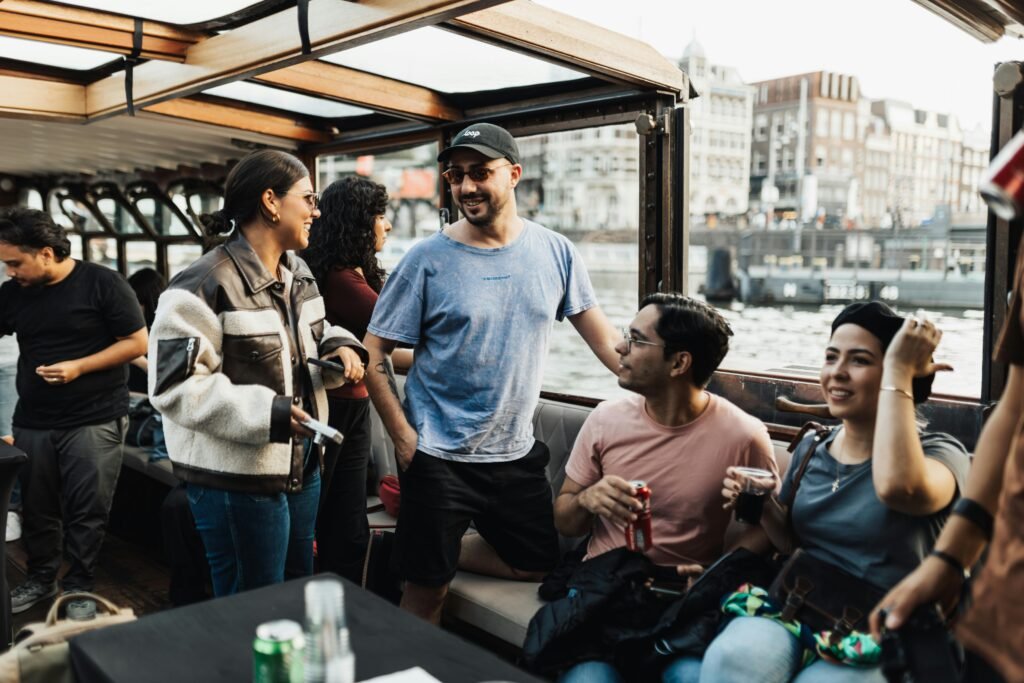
[[896, 48]]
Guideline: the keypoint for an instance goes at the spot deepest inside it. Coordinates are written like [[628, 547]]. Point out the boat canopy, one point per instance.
[[154, 95], [986, 20]]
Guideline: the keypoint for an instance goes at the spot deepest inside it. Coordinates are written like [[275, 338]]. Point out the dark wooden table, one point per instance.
[[212, 641]]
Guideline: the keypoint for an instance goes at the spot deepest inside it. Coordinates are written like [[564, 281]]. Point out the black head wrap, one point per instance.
[[884, 323]]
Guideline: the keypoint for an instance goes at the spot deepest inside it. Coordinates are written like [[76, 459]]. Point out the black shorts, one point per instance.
[[509, 502]]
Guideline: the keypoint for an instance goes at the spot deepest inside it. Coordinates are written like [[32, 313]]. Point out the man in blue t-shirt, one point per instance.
[[477, 302], [78, 325]]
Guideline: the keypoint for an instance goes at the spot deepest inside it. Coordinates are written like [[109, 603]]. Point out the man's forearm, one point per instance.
[[383, 388], [571, 518], [961, 537], [120, 352]]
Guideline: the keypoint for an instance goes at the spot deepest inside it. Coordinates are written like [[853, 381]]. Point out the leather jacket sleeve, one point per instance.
[[186, 386]]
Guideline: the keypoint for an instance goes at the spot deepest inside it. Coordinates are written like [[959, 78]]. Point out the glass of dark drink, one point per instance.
[[750, 501]]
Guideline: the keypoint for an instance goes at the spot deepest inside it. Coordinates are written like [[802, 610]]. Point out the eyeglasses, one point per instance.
[[630, 340], [477, 174], [312, 199]]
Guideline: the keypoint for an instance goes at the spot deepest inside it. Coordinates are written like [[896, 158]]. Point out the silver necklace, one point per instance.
[[838, 481]]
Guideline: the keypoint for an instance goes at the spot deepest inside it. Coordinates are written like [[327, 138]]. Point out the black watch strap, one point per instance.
[[975, 513]]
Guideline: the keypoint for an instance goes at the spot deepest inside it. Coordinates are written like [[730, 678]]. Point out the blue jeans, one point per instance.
[[255, 540], [683, 670], [758, 649]]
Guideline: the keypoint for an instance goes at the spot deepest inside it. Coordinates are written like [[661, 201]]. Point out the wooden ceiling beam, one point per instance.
[[30, 97], [976, 17], [364, 89], [272, 43], [539, 31], [94, 30], [242, 119]]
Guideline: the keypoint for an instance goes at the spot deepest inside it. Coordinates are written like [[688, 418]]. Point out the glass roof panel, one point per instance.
[[60, 56], [282, 99], [177, 12], [447, 62]]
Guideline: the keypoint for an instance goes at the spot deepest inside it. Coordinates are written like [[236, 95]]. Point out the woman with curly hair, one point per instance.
[[342, 254]]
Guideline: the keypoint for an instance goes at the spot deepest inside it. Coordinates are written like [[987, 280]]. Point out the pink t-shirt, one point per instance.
[[683, 466]]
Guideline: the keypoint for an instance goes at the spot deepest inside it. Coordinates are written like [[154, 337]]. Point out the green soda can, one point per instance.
[[277, 652]]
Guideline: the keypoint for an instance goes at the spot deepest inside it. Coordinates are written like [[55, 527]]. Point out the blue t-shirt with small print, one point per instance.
[[479, 321]]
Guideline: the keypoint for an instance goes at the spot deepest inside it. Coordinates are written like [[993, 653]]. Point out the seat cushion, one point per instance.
[[501, 607]]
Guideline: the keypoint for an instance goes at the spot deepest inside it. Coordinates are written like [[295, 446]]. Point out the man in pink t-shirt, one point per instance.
[[672, 434]]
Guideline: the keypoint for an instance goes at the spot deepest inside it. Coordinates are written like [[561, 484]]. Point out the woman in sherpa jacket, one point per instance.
[[228, 370]]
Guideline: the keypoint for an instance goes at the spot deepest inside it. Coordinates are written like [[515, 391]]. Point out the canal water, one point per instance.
[[766, 339]]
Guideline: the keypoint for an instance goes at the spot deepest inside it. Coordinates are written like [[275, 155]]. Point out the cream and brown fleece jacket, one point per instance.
[[223, 356]]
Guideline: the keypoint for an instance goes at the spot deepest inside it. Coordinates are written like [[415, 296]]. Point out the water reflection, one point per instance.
[[781, 340]]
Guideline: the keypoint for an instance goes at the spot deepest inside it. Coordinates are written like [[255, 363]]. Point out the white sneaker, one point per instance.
[[13, 526]]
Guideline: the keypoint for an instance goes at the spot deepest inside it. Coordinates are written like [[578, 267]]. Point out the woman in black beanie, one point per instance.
[[870, 502]]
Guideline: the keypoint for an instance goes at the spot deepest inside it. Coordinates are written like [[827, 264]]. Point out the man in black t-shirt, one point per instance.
[[78, 324]]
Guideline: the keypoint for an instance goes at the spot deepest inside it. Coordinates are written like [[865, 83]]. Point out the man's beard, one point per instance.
[[485, 219]]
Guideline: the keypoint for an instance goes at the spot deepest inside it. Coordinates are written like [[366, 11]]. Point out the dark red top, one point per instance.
[[349, 302]]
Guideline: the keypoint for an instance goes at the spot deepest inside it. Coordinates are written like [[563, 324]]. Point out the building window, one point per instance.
[[849, 126], [822, 123], [761, 127]]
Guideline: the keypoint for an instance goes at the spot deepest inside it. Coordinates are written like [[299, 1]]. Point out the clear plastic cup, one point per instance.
[[750, 501]]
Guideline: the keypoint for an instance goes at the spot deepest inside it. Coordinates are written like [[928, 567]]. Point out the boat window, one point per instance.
[[411, 178], [282, 99], [61, 56], [56, 211], [793, 277], [140, 254], [79, 215], [181, 256], [584, 184], [161, 217], [204, 201], [449, 62], [76, 245], [31, 198], [103, 250], [178, 12], [118, 216]]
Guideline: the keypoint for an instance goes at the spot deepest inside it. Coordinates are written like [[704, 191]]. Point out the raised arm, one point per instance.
[[904, 478], [383, 389], [595, 328]]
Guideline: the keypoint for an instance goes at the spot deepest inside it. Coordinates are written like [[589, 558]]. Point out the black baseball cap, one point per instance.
[[883, 322], [490, 140]]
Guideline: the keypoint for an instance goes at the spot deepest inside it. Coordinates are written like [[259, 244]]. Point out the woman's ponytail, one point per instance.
[[216, 223]]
